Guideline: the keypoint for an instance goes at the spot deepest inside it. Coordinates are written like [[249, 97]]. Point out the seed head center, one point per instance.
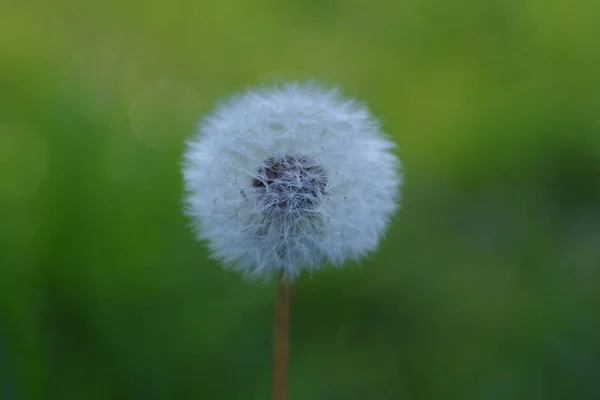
[[290, 184]]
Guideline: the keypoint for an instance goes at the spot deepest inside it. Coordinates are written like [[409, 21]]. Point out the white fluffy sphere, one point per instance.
[[289, 178]]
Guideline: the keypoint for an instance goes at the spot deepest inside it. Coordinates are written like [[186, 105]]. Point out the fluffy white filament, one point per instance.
[[289, 178]]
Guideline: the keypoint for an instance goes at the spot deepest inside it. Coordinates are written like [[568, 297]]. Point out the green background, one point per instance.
[[487, 286]]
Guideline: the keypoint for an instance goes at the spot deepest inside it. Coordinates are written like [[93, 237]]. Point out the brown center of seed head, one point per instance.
[[290, 183]]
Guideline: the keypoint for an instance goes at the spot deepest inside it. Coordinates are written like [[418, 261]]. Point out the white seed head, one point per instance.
[[289, 178]]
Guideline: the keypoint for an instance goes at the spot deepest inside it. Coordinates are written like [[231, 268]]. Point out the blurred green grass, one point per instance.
[[485, 288]]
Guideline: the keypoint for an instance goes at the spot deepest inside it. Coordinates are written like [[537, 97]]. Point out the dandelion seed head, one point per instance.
[[289, 178]]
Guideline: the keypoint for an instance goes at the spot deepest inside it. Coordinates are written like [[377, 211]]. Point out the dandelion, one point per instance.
[[281, 180]]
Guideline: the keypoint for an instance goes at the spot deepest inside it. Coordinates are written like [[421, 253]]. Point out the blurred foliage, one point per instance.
[[487, 286]]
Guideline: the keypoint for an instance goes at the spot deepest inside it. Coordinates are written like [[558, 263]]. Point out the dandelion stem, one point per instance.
[[281, 341]]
